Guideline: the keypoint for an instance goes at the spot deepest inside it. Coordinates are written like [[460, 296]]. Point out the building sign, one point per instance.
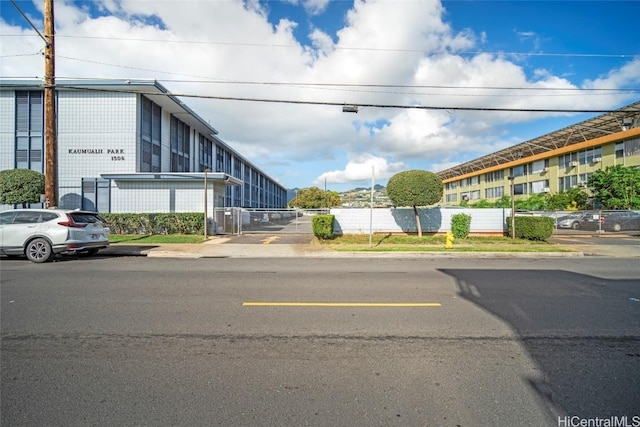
[[115, 154]]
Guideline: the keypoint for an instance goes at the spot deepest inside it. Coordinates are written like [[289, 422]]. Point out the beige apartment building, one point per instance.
[[551, 163]]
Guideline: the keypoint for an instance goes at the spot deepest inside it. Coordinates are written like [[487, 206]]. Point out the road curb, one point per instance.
[[304, 251]]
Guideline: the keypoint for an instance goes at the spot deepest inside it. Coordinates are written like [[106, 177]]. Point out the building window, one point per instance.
[[519, 189], [150, 137], [205, 148], [237, 168], [227, 162], [536, 187], [567, 182], [518, 171], [619, 150], [180, 145], [29, 138], [494, 176], [539, 166], [247, 186], [96, 195], [219, 159], [632, 147], [494, 192], [568, 160], [452, 197], [589, 156]]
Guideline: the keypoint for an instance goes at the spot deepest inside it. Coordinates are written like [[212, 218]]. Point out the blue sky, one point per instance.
[[558, 55]]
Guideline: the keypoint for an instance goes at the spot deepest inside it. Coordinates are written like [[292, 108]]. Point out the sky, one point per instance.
[[422, 72]]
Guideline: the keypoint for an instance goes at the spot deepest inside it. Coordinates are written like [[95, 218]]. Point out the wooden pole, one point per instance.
[[50, 133]]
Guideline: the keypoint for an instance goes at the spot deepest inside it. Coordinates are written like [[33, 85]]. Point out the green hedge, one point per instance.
[[323, 226], [155, 223], [532, 227], [460, 224]]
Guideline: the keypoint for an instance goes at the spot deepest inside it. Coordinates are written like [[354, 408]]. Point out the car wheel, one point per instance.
[[575, 225], [39, 250], [617, 227]]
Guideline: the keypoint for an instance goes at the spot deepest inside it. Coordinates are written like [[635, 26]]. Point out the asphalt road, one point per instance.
[[145, 341]]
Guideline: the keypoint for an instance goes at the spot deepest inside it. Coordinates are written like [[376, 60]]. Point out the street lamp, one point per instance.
[[513, 207]]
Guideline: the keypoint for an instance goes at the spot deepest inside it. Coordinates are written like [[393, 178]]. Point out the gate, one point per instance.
[[281, 221]]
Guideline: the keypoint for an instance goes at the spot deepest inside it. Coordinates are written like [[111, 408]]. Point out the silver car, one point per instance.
[[40, 234]]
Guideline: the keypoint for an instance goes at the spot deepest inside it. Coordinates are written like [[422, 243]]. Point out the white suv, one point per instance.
[[40, 234]]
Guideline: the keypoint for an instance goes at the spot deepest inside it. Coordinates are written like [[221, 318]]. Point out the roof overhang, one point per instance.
[[174, 176]]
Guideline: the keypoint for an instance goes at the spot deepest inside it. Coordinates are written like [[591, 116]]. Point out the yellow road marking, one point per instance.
[[342, 304], [270, 239]]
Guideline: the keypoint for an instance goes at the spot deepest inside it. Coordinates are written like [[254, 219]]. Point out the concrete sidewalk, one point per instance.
[[219, 247], [216, 248]]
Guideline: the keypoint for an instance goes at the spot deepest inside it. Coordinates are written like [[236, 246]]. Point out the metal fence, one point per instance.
[[598, 221], [296, 221], [245, 221]]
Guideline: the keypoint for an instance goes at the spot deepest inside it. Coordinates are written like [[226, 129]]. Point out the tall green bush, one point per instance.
[[20, 186], [415, 188], [322, 226], [460, 224]]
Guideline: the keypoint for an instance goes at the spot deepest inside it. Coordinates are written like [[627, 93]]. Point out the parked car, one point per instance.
[[620, 221], [40, 234], [575, 219]]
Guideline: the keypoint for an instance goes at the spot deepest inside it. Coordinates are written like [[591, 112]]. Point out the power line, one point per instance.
[[359, 105], [29, 21], [356, 85], [373, 49], [370, 49]]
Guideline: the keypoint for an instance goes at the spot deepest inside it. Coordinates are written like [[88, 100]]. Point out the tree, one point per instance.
[[415, 188], [570, 200], [20, 186], [315, 198], [616, 187], [535, 202]]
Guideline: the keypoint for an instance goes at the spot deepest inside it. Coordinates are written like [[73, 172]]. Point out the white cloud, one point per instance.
[[207, 48], [315, 7], [361, 169]]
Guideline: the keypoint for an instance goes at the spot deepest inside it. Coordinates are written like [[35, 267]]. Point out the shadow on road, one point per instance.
[[582, 331]]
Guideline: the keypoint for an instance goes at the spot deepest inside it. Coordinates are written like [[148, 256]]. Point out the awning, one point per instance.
[[173, 176]]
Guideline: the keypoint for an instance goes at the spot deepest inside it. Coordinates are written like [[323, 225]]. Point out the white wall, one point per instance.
[[163, 196], [402, 220], [104, 124], [7, 129]]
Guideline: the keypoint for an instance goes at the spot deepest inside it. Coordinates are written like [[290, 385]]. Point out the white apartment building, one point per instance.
[[128, 146]]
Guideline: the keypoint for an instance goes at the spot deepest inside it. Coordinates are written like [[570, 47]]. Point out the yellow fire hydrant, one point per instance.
[[449, 240]]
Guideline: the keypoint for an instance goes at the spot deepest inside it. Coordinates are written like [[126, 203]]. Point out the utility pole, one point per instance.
[[50, 132]]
